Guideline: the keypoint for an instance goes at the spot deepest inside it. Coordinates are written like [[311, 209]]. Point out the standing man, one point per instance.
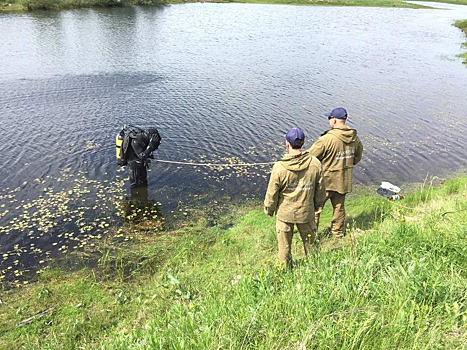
[[296, 189], [338, 149]]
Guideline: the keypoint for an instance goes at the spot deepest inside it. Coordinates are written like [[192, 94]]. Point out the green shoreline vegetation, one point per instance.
[[398, 280], [462, 25], [31, 5]]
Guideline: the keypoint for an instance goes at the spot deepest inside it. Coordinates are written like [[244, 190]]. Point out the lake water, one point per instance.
[[222, 83]]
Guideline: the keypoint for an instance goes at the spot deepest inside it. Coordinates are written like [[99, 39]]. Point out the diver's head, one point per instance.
[[152, 131], [154, 137]]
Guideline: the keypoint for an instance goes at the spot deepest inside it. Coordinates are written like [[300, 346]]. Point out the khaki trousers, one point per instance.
[[284, 231], [338, 214]]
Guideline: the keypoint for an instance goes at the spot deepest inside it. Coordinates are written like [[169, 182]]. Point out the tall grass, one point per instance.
[[403, 286], [398, 280]]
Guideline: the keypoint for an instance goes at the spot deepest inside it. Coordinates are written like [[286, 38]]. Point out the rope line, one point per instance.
[[210, 164]]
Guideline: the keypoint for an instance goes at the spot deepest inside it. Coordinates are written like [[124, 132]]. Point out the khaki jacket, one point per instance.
[[295, 188], [338, 150]]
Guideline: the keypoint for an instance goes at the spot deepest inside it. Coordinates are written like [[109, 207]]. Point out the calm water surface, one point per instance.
[[223, 83]]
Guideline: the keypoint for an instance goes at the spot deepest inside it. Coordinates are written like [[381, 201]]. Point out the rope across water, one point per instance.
[[225, 165]]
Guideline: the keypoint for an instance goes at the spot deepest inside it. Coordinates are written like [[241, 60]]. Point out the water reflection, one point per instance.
[[139, 209]]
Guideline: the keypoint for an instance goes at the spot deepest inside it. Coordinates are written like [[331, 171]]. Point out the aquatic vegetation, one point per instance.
[[73, 212], [228, 168], [55, 222]]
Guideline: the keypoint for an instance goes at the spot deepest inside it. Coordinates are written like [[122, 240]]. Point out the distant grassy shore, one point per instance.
[[398, 280], [30, 5], [25, 5], [462, 25]]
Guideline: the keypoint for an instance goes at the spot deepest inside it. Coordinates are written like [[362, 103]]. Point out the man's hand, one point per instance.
[[318, 210], [267, 213]]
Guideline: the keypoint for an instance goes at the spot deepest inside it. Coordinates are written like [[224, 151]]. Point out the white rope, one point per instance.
[[210, 164]]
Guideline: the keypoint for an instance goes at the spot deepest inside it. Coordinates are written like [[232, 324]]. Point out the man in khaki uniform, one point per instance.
[[296, 189], [338, 149]]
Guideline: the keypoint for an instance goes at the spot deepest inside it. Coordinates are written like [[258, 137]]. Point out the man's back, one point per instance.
[[295, 190], [338, 150], [296, 186]]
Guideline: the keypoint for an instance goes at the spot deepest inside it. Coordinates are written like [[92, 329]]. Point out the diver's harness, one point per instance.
[[135, 144]]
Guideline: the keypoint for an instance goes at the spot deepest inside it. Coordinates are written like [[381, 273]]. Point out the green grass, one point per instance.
[[366, 3], [398, 280], [462, 25], [455, 2], [21, 5]]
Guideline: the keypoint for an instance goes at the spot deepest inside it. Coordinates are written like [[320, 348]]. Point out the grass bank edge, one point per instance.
[[32, 5], [173, 274], [462, 25], [55, 5]]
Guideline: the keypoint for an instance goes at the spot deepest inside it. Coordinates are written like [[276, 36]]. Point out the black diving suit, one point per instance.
[[137, 149]]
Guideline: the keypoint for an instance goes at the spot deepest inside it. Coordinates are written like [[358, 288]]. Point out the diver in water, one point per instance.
[[134, 148]]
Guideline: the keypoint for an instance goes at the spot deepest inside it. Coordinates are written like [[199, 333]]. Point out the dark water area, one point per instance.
[[222, 83]]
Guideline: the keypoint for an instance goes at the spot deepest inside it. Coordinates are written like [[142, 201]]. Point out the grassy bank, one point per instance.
[[454, 2], [25, 5], [398, 280], [365, 3], [462, 25], [31, 5]]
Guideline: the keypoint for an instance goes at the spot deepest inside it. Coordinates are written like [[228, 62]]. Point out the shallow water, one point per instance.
[[223, 83]]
